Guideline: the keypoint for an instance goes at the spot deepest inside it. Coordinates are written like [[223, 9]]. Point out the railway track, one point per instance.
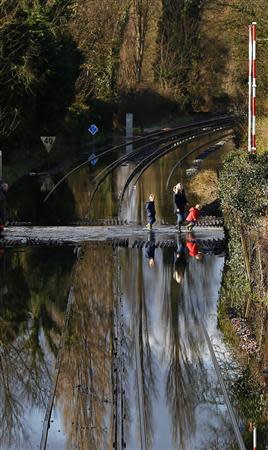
[[158, 153], [149, 153], [151, 139]]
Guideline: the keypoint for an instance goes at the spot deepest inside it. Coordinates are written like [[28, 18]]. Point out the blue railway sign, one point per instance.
[[93, 161], [93, 129]]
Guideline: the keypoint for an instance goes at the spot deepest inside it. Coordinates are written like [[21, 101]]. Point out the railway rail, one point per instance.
[[151, 138], [151, 151]]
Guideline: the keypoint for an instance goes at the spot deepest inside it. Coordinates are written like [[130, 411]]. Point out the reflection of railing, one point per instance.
[[224, 390], [143, 439], [46, 423], [208, 246], [118, 367]]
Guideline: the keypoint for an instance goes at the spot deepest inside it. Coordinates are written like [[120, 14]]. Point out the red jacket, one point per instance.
[[193, 215], [192, 248]]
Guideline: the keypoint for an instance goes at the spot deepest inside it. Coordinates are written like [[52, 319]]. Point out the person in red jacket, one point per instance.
[[192, 247], [192, 217]]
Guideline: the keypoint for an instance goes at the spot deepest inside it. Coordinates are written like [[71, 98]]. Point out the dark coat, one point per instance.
[[150, 209], [180, 201], [3, 207], [150, 246], [150, 251]]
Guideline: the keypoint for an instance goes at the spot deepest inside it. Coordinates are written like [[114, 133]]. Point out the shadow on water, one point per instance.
[[26, 203]]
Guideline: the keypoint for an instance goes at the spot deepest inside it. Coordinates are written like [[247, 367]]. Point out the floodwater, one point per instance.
[[104, 346]]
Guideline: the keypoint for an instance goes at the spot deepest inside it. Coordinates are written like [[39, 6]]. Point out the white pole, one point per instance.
[[249, 85], [254, 78], [254, 438]]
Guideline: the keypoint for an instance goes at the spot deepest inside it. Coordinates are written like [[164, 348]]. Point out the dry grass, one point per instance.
[[204, 186]]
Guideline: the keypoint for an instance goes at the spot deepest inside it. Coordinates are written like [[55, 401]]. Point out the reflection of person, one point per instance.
[[180, 202], [180, 263], [3, 205], [150, 249], [150, 209], [192, 247], [192, 217]]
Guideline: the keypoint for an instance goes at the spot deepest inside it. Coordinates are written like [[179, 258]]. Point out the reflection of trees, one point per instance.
[[133, 285], [60, 207], [187, 381], [181, 388], [24, 380], [85, 378], [148, 375], [29, 330]]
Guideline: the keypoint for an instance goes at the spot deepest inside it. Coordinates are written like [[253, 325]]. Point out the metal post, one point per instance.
[[1, 166], [249, 84], [254, 438], [93, 144], [129, 131], [254, 76]]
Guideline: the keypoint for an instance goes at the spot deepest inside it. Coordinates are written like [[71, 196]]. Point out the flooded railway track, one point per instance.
[[135, 369], [120, 367], [153, 139], [152, 151]]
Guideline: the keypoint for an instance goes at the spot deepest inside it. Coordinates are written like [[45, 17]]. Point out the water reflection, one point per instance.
[[170, 390], [150, 249], [84, 393], [175, 380], [32, 301]]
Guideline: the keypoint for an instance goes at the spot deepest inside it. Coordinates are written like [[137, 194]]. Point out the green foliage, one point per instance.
[[29, 287], [179, 55], [251, 402], [236, 289], [243, 188], [243, 194], [39, 67], [250, 395]]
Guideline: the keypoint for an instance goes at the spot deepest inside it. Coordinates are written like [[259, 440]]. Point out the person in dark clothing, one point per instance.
[[150, 249], [150, 209], [3, 205], [180, 202], [180, 262]]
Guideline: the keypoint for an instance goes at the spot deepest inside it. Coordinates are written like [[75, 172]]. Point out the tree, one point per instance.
[[39, 66], [179, 46], [99, 29]]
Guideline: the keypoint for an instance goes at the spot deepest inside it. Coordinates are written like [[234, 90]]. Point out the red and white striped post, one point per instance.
[[254, 77], [249, 84], [254, 438]]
